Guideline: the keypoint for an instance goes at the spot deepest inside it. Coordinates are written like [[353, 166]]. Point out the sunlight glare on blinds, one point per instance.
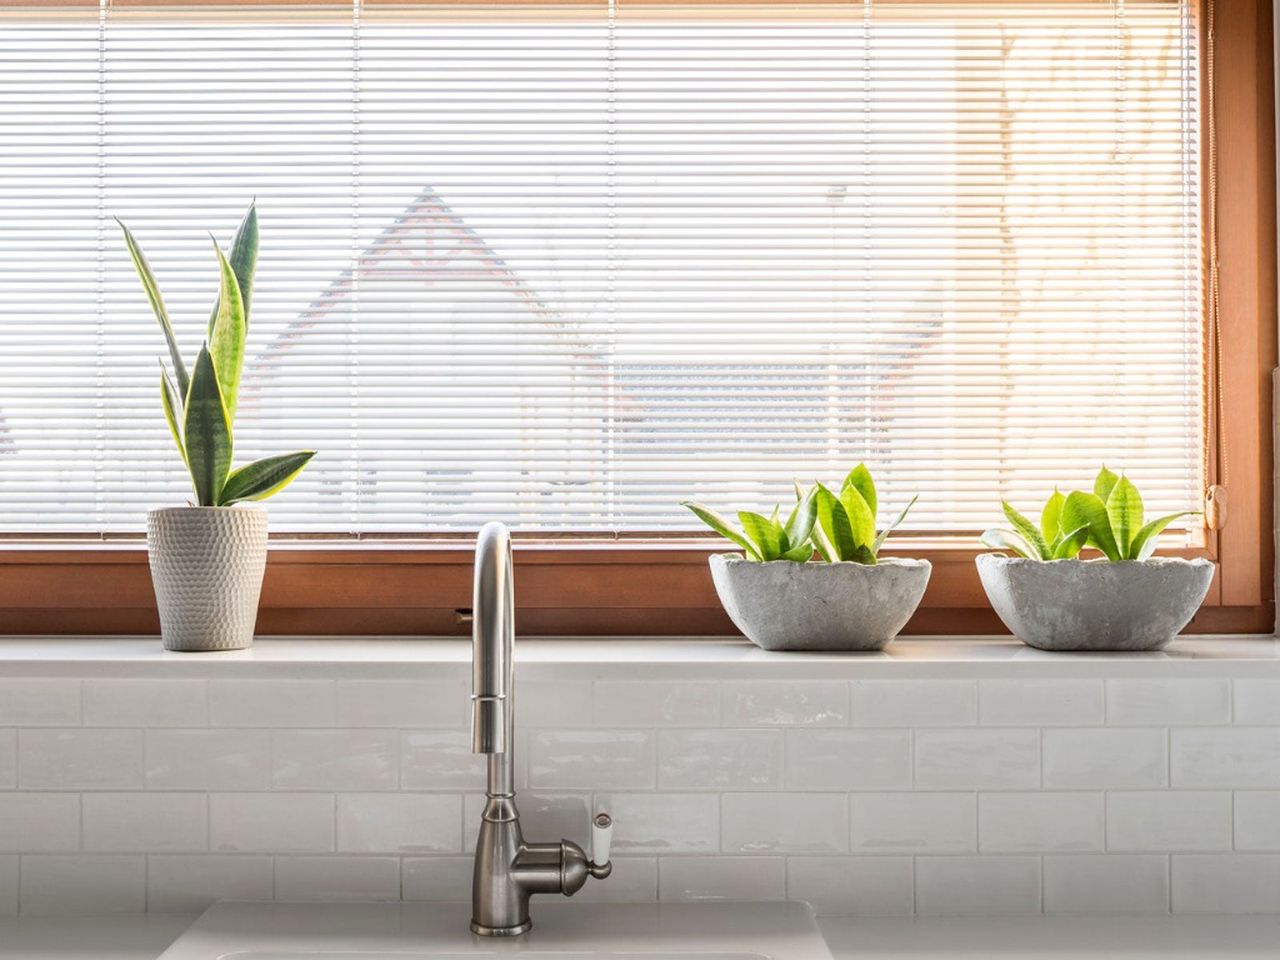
[[567, 264]]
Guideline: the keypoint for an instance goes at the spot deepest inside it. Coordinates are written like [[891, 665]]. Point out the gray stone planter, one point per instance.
[[1093, 604], [207, 565], [819, 606]]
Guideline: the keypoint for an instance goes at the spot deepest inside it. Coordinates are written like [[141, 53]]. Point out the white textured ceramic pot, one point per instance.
[[782, 605], [1094, 604], [207, 565]]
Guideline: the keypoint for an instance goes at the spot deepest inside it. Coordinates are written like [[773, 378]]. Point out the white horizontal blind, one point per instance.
[[568, 264]]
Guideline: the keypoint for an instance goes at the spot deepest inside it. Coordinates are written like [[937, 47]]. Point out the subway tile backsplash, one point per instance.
[[864, 796]]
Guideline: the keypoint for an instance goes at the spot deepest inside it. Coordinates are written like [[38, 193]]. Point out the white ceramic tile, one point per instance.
[[439, 760], [1226, 883], [1240, 757], [403, 703], [86, 885], [720, 759], [592, 759], [1168, 702], [436, 879], [1105, 759], [975, 759], [335, 759], [39, 822], [272, 703], [145, 703], [208, 759], [852, 886], [785, 703], [913, 823], [656, 703], [8, 758], [821, 759], [634, 880], [8, 886], [337, 878], [399, 823], [1040, 703], [1257, 701], [187, 884], [80, 759], [1041, 822], [145, 822], [913, 703], [271, 822], [663, 823], [1257, 820], [544, 703], [784, 823], [977, 886], [1161, 821], [1112, 884], [543, 816], [39, 702], [722, 878]]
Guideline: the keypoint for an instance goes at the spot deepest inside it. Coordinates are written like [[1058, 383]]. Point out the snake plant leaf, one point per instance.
[[767, 534], [244, 262], [1027, 530], [1087, 510], [226, 343], [1103, 483], [997, 538], [862, 554], [799, 554], [723, 527], [1070, 544], [860, 479], [1051, 517], [862, 518], [834, 523], [1124, 510], [263, 478], [172, 404], [893, 525], [1144, 541], [799, 526], [152, 290], [208, 433]]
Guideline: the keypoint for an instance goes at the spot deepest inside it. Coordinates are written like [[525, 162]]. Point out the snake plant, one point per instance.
[[200, 404], [767, 538], [1111, 518]]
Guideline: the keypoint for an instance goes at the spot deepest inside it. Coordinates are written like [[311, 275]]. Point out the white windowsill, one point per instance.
[[629, 658]]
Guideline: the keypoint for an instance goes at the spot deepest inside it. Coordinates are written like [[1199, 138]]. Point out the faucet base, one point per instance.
[[481, 930]]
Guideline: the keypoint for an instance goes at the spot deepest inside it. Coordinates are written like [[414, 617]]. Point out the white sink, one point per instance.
[[237, 930]]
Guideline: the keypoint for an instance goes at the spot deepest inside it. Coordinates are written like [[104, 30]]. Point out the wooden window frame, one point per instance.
[[662, 586]]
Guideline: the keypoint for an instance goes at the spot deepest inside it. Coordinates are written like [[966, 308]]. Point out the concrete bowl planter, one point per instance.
[[1095, 604], [207, 565], [782, 605]]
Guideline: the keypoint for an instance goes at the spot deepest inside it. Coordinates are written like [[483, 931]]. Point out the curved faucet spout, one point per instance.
[[492, 656]]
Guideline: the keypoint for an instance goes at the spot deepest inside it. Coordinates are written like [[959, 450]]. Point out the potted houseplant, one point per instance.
[[816, 581], [208, 558], [1126, 600]]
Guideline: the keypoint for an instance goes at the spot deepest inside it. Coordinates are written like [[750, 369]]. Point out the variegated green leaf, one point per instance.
[[1124, 510], [1051, 517], [244, 262], [172, 404], [893, 525], [1103, 484], [764, 532], [799, 526], [1087, 510], [1000, 539], [227, 341], [834, 523], [860, 479], [862, 518], [152, 291], [207, 432], [1070, 544], [723, 527], [799, 554], [1144, 541], [264, 478], [1027, 530]]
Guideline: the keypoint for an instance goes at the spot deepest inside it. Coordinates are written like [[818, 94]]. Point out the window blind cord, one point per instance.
[[1215, 501]]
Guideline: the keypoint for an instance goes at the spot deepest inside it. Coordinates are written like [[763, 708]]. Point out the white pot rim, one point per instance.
[[737, 559], [190, 508], [1100, 562]]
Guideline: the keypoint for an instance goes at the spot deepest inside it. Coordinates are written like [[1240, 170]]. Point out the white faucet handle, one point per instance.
[[601, 835]]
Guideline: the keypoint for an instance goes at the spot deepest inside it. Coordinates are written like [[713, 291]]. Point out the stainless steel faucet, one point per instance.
[[508, 869]]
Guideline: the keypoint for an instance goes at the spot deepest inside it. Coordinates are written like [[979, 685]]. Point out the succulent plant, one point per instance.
[[200, 405]]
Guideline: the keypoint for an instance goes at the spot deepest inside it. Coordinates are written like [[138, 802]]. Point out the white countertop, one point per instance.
[[1032, 938], [656, 658]]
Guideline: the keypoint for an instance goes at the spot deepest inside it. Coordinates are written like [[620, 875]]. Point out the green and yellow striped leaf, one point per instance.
[[207, 432], [263, 478]]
